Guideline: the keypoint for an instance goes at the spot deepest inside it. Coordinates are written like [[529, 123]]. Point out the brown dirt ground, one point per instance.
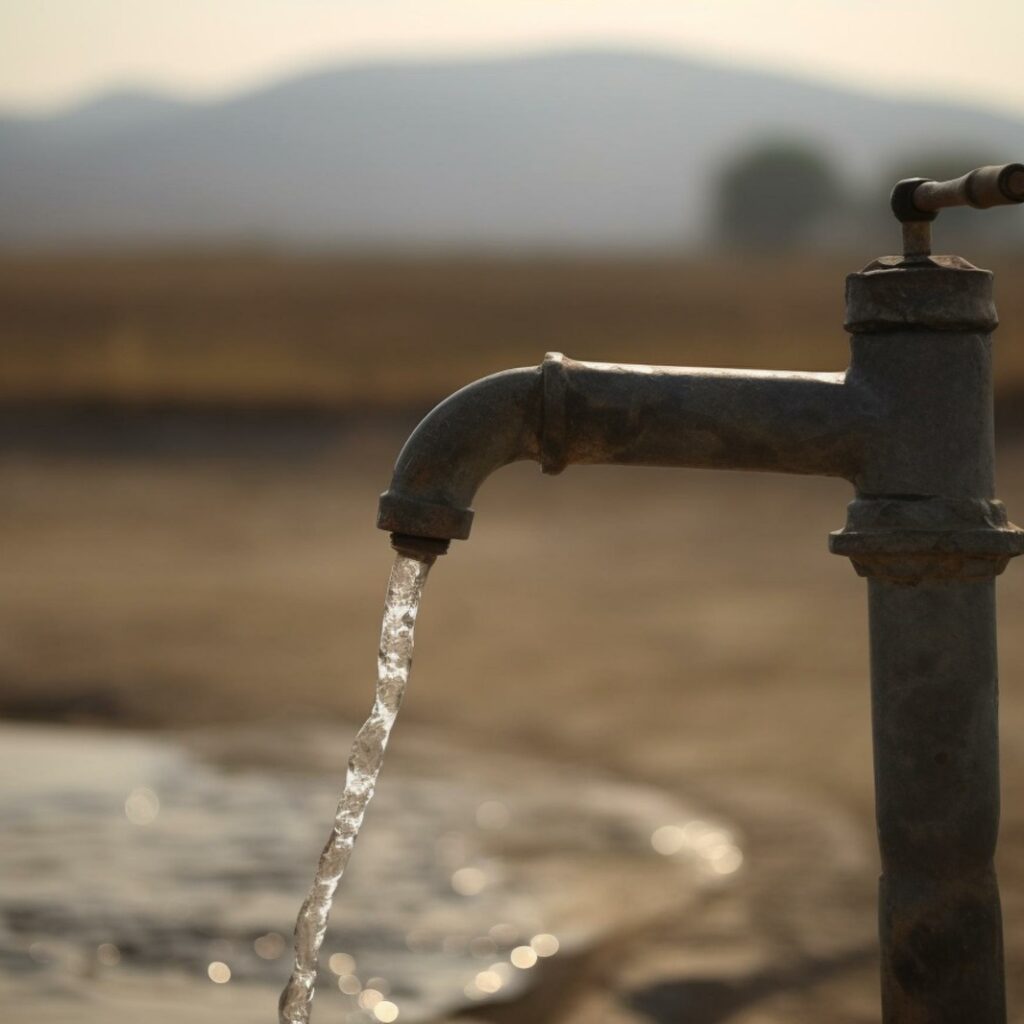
[[684, 628], [687, 629]]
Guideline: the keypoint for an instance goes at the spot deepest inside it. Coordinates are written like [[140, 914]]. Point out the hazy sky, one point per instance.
[[54, 51]]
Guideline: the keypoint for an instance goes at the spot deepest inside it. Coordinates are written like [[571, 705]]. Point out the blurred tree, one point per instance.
[[776, 194]]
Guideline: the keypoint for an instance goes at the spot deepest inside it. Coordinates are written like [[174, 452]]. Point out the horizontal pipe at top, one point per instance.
[[775, 421]]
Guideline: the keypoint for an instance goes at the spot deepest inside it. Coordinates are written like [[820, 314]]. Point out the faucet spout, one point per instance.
[[566, 412], [480, 428]]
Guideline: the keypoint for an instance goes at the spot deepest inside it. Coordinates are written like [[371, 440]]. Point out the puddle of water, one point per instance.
[[159, 876]]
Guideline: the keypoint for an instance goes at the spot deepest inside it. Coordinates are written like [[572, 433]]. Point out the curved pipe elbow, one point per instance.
[[566, 412], [480, 428]]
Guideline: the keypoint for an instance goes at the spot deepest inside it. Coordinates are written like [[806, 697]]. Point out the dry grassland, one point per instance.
[[258, 330]]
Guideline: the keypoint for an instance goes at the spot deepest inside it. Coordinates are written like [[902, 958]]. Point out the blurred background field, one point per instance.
[[344, 334], [191, 448], [228, 290]]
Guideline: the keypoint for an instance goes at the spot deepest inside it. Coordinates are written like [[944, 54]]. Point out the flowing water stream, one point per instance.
[[394, 659]]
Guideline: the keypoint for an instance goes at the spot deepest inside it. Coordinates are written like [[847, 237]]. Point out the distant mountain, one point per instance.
[[563, 149]]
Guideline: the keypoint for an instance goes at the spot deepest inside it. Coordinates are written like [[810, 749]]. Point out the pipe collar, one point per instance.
[[938, 293], [910, 539], [554, 432]]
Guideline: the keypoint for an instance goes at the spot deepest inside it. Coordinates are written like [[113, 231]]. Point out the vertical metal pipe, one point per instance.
[[934, 709], [929, 535]]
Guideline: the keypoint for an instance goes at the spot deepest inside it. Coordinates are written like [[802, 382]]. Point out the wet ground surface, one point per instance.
[[681, 640], [142, 871]]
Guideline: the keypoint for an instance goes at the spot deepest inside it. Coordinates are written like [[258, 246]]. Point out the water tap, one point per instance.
[[916, 202]]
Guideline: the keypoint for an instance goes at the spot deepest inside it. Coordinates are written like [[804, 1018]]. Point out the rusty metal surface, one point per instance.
[[567, 412], [554, 430], [917, 201], [808, 423], [934, 715], [917, 239], [472, 433], [943, 293], [926, 530], [910, 425], [902, 204], [904, 540], [920, 331], [921, 347], [982, 188]]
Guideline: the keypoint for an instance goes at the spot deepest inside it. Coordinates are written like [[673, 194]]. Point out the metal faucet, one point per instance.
[[909, 424]]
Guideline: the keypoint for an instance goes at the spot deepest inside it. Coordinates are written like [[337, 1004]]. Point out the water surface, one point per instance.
[[156, 878]]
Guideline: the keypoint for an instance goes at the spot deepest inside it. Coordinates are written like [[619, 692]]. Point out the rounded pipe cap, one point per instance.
[[938, 293]]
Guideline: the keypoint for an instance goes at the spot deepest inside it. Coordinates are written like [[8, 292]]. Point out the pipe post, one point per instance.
[[927, 532]]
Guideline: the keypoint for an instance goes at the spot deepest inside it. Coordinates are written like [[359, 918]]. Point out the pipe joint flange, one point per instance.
[[554, 433], [414, 517], [910, 539]]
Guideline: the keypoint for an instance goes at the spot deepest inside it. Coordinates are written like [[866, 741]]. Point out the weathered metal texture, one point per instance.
[[921, 348], [572, 412], [910, 538], [982, 188], [944, 294], [806, 423], [917, 201], [917, 239], [472, 433], [934, 711], [927, 531], [920, 333], [910, 424]]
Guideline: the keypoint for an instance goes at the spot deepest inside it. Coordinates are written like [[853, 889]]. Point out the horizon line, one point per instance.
[[497, 54]]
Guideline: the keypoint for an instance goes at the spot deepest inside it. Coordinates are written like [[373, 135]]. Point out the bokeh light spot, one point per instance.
[[142, 806], [523, 957], [488, 981], [269, 946], [369, 998], [469, 881], [219, 972], [544, 944], [668, 840], [350, 984], [386, 1011], [342, 963]]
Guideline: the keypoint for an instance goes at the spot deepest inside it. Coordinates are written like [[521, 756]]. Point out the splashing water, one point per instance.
[[364, 763]]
